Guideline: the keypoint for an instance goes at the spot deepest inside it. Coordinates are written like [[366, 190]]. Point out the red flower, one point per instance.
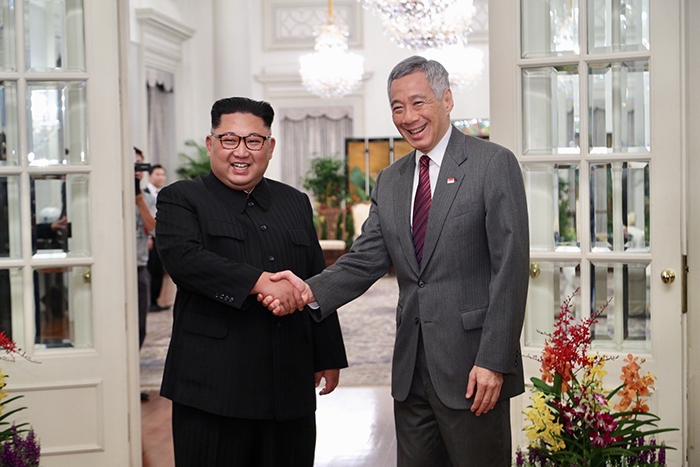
[[11, 349]]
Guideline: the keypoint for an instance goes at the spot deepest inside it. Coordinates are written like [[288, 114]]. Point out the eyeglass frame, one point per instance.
[[241, 138]]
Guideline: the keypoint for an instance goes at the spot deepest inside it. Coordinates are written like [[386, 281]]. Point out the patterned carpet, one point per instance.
[[368, 328]]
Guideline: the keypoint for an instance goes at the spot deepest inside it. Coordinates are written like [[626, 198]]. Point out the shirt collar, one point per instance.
[[238, 199], [438, 153]]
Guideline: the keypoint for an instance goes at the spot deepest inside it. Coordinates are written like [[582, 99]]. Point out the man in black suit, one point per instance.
[[241, 379]]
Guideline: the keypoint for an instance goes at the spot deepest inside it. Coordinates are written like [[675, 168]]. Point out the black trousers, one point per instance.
[[144, 291], [430, 434], [202, 439], [155, 267]]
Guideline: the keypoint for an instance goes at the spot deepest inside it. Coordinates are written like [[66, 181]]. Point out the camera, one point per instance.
[[142, 167]]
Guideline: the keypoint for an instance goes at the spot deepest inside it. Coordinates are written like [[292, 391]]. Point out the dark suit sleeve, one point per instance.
[[329, 348], [181, 248], [508, 236]]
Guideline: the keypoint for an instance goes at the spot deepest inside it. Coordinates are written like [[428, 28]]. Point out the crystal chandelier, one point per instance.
[[424, 24], [331, 71], [464, 64]]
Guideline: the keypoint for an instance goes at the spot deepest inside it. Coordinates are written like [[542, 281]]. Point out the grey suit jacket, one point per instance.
[[468, 296]]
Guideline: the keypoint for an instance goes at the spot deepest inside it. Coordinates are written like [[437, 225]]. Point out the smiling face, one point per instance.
[[240, 168], [421, 117]]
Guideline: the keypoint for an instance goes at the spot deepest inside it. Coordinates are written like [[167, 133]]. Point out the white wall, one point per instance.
[[226, 53], [194, 86]]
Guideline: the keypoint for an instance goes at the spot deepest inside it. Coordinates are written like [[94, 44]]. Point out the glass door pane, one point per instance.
[[551, 111], [620, 207], [7, 35], [8, 123], [57, 123], [53, 35], [618, 25], [618, 107], [549, 28]]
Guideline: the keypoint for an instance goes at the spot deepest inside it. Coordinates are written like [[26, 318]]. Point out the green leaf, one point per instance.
[[542, 386]]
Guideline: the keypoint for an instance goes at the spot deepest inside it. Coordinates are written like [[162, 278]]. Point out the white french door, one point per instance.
[[62, 243], [587, 94]]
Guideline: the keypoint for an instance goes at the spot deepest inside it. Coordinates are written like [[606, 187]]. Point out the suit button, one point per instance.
[[417, 320], [263, 227], [421, 284], [251, 203], [271, 258]]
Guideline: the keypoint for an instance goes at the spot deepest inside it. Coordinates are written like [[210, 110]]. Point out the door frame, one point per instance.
[[666, 123]]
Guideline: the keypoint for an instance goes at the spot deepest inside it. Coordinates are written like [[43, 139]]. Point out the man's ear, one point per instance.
[[209, 143], [272, 146], [449, 101]]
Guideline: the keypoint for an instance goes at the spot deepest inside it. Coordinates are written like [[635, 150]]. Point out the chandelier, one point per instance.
[[331, 71], [464, 64], [424, 24]]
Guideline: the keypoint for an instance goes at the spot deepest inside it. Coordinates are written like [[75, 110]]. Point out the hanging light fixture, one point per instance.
[[464, 64], [424, 24], [331, 71]]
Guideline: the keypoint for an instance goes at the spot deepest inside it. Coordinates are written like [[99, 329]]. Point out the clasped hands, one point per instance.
[[283, 292]]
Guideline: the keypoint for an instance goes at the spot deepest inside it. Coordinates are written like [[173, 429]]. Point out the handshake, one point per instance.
[[283, 292]]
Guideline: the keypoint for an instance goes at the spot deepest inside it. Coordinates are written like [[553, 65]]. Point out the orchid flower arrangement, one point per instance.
[[18, 445], [573, 421]]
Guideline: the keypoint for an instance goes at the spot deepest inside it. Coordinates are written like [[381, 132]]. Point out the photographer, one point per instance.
[[145, 226]]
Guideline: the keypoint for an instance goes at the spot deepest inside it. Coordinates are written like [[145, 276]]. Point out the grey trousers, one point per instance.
[[429, 434]]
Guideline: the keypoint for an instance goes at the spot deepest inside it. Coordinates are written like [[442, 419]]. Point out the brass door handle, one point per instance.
[[534, 270], [668, 276]]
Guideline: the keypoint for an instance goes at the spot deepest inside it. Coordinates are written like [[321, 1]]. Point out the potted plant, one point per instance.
[[194, 166], [19, 446], [327, 182], [574, 420]]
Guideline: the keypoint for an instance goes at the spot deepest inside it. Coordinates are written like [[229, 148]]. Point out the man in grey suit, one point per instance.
[[460, 247]]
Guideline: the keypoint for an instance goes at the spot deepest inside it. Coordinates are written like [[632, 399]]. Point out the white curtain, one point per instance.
[[308, 133], [161, 119]]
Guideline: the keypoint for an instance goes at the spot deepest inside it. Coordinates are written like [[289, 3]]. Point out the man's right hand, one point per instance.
[[274, 304], [287, 298]]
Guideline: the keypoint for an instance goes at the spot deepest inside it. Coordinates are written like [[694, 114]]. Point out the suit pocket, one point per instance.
[[225, 229], [299, 237], [474, 319], [205, 325]]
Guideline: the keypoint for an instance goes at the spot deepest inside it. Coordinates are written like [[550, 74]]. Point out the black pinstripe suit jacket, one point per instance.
[[229, 355]]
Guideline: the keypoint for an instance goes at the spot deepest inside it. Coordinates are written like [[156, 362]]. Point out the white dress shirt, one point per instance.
[[436, 156]]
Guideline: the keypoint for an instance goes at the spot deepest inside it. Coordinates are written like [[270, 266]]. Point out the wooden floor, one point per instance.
[[355, 429]]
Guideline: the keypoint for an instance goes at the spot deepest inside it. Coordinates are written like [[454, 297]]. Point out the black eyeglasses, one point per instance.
[[253, 142]]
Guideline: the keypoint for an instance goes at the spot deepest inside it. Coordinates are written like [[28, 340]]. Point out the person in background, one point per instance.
[[241, 379], [156, 181], [145, 225], [451, 217]]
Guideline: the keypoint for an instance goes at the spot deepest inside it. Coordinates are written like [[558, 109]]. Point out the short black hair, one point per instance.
[[232, 105], [154, 167]]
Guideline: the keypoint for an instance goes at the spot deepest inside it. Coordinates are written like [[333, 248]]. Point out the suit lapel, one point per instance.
[[403, 198], [448, 184]]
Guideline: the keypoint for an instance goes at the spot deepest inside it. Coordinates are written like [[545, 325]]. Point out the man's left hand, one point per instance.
[[331, 376], [488, 388]]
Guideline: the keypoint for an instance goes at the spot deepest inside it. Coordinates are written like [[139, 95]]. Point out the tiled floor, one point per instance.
[[355, 423]]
